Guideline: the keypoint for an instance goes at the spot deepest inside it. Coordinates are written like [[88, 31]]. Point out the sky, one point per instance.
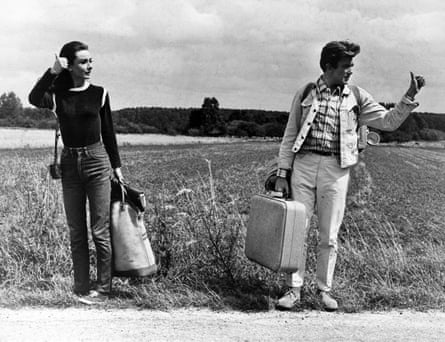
[[249, 54]]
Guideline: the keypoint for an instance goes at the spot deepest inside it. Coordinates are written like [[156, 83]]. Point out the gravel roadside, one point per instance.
[[91, 324]]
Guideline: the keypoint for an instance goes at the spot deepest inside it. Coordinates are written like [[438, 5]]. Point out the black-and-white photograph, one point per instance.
[[239, 170]]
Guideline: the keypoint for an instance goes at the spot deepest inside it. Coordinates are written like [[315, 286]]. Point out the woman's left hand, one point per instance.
[[118, 174]]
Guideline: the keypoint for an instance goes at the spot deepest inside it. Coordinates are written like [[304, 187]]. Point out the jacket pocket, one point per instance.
[[352, 118]]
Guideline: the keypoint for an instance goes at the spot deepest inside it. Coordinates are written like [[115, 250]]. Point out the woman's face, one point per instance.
[[82, 65]]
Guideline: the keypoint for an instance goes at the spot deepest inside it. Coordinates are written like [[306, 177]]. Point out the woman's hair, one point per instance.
[[68, 51], [334, 51]]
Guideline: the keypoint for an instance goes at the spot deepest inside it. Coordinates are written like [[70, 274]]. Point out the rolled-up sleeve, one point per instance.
[[375, 115]]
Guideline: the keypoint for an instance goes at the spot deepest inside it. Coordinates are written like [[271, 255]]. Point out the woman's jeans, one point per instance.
[[86, 174]]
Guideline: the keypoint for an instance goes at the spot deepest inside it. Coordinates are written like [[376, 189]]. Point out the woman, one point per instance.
[[84, 115]]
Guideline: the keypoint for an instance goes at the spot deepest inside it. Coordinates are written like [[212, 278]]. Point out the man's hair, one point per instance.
[[334, 51]]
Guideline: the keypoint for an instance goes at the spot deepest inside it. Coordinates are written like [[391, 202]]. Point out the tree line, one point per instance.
[[209, 120]]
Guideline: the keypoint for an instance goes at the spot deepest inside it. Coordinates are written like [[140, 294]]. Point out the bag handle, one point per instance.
[[276, 194], [123, 191], [57, 131], [56, 141]]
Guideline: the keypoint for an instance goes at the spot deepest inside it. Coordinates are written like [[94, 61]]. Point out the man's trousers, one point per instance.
[[321, 185]]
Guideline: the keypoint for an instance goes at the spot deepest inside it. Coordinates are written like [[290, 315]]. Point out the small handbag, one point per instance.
[[55, 168]]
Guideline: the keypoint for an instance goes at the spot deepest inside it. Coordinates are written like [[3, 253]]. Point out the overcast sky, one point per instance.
[[247, 53]]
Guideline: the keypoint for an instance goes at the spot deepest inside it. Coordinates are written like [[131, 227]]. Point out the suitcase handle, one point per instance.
[[278, 194]]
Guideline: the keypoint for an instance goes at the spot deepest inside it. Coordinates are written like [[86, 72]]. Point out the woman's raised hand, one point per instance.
[[59, 64]]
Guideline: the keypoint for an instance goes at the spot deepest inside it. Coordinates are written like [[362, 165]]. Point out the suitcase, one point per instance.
[[276, 233]]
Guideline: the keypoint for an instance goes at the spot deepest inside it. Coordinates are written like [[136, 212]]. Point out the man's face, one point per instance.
[[340, 75]]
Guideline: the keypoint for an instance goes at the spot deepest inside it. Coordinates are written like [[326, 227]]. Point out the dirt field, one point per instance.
[[35, 138], [85, 324]]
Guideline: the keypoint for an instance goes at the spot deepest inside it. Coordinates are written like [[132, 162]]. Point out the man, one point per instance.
[[319, 146]]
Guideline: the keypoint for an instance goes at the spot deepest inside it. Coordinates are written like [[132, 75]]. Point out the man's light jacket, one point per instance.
[[352, 115]]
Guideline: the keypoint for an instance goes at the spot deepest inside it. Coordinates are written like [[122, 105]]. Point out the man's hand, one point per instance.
[[282, 186], [59, 64], [417, 82]]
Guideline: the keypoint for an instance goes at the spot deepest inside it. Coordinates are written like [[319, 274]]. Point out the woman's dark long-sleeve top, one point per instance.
[[84, 115]]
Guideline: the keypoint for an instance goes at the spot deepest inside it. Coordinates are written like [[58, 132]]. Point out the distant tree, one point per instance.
[[235, 114], [207, 119], [196, 119], [211, 103], [10, 107], [213, 123]]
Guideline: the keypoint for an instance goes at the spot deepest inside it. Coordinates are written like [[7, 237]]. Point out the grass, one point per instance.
[[391, 252]]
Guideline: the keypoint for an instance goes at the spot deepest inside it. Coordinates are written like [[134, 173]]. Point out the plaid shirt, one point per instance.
[[324, 135]]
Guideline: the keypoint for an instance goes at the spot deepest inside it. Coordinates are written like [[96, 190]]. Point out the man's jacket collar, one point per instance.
[[322, 87]]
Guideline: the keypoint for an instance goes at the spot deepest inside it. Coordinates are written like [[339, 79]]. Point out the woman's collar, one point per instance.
[[82, 87]]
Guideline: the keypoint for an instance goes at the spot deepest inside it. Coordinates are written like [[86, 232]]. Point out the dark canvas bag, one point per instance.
[[132, 252]]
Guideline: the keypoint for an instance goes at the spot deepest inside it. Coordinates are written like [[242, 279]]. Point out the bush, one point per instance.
[[139, 128], [194, 132], [121, 129], [149, 129], [273, 129], [398, 136], [46, 124], [171, 131], [5, 122], [242, 128], [431, 134], [134, 127]]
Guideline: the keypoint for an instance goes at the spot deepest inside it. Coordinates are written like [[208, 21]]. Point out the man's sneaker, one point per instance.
[[329, 303], [93, 298], [290, 299]]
